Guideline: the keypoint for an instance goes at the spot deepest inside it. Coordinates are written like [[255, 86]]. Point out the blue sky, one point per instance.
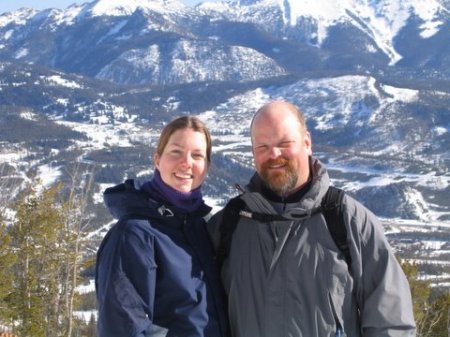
[[11, 5]]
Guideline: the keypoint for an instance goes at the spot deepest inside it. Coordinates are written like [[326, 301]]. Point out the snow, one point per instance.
[[430, 28], [86, 288], [217, 6], [341, 92], [101, 135], [326, 12], [58, 80], [21, 53], [28, 115], [8, 34], [191, 61], [433, 244], [68, 16], [121, 8], [12, 156], [427, 11], [62, 101], [401, 94], [381, 20], [86, 315], [97, 197], [47, 176], [431, 179], [19, 17], [214, 203], [439, 130]]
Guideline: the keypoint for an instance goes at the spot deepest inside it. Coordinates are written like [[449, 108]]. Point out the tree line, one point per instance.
[[42, 257]]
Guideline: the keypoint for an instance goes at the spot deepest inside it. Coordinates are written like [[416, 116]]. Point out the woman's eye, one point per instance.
[[175, 152]]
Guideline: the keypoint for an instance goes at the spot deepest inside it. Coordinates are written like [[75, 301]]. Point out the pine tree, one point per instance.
[[7, 260], [36, 238], [439, 326], [43, 247], [420, 290], [432, 317], [76, 220]]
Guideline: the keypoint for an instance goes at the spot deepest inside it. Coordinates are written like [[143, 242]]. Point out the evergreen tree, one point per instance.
[[7, 260], [36, 239], [432, 317], [420, 291], [43, 249], [439, 326], [75, 211]]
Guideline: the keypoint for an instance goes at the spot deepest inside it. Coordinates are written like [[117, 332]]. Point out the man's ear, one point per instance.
[[308, 142]]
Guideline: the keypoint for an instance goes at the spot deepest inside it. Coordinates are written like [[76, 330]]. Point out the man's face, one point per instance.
[[281, 150]]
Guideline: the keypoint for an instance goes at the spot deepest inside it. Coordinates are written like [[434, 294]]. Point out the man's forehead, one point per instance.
[[274, 120]]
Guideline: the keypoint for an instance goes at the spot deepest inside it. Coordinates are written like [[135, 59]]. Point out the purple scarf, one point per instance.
[[186, 201]]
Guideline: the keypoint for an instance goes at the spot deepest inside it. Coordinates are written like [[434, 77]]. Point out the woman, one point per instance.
[[155, 273]]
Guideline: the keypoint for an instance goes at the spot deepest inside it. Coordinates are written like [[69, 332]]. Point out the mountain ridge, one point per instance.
[[103, 85], [52, 38]]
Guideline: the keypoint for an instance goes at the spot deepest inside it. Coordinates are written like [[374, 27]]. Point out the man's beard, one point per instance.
[[282, 182]]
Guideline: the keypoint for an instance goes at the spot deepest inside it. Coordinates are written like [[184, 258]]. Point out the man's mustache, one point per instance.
[[275, 162]]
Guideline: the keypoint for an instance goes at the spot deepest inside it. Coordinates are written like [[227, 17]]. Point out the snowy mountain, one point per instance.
[[165, 42], [87, 90], [381, 21]]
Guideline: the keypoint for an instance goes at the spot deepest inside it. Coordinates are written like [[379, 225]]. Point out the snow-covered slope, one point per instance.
[[381, 21], [88, 88], [162, 41]]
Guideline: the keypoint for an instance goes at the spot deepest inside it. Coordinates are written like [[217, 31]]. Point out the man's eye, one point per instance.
[[286, 144], [261, 147]]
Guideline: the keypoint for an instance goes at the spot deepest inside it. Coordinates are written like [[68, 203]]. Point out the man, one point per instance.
[[286, 277]]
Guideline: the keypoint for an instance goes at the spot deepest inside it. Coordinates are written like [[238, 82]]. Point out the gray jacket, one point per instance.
[[288, 278]]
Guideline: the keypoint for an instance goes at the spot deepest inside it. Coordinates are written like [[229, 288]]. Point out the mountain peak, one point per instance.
[[380, 20], [120, 7], [331, 11]]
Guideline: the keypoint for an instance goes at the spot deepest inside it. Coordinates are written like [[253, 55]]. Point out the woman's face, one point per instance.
[[183, 164]]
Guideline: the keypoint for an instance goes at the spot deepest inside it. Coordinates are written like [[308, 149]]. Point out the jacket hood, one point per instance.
[[129, 199]]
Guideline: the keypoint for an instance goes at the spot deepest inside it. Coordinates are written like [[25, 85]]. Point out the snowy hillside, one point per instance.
[[87, 89]]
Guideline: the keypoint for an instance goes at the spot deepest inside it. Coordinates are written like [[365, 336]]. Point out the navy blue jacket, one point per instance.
[[155, 273]]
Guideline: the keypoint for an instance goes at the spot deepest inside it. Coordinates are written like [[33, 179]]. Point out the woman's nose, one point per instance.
[[187, 159]]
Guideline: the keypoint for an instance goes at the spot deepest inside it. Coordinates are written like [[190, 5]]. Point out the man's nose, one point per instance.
[[274, 152]]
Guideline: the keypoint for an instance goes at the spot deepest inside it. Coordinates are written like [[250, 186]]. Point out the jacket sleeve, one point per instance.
[[127, 306], [383, 291]]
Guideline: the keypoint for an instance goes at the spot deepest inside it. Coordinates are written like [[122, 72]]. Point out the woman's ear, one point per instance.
[[156, 160]]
